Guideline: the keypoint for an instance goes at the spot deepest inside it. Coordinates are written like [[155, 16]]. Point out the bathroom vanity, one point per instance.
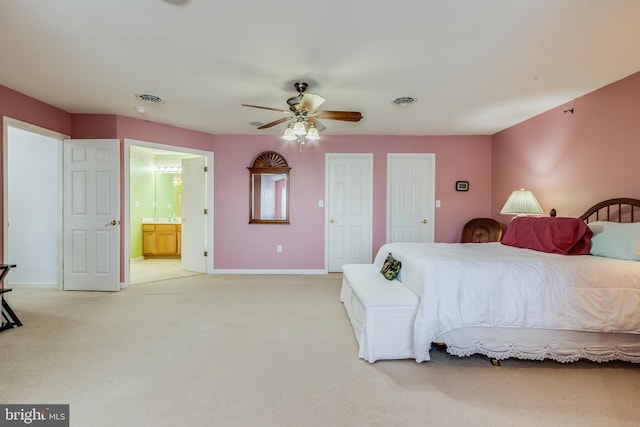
[[161, 238]]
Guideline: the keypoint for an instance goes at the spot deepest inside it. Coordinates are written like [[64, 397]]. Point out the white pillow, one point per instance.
[[616, 240]]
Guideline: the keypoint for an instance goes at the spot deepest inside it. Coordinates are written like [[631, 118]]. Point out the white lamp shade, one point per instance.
[[299, 129], [313, 134], [288, 134], [522, 202]]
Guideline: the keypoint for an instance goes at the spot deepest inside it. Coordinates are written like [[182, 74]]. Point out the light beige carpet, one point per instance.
[[153, 270], [272, 351]]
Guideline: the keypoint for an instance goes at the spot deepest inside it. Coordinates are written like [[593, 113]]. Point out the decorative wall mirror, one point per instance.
[[269, 189]]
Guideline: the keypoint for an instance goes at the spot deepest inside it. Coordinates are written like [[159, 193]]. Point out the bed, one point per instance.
[[555, 288]]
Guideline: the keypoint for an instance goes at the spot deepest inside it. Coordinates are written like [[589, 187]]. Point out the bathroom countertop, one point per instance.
[[176, 220]]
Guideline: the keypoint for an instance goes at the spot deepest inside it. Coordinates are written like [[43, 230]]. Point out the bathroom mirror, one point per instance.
[[168, 195], [269, 189]]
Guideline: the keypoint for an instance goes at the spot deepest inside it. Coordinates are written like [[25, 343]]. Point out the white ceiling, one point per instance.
[[475, 66]]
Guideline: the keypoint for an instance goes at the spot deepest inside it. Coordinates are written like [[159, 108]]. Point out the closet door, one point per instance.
[[349, 209], [410, 197]]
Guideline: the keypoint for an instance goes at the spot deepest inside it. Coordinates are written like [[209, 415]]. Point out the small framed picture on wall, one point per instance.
[[462, 185]]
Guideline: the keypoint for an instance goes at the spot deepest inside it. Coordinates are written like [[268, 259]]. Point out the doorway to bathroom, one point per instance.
[[168, 203]]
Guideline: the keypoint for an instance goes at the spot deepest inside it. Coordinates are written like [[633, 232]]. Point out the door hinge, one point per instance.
[[206, 211], [205, 253], [206, 169]]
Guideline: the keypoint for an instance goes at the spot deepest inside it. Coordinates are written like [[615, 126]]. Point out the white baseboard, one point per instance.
[[32, 285]]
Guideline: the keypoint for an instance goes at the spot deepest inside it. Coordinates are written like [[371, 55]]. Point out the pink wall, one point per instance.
[[94, 126], [29, 110], [239, 245], [571, 161]]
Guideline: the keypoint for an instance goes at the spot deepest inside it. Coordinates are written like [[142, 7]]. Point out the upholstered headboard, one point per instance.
[[481, 230]]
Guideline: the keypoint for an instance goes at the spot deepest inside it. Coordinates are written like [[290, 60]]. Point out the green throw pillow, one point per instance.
[[391, 267]]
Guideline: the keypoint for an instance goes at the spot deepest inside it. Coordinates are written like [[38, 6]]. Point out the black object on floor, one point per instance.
[[10, 320]]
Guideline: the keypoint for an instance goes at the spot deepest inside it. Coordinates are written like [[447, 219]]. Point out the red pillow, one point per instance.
[[569, 236]]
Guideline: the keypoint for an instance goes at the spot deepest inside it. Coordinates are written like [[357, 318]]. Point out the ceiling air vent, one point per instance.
[[150, 99], [404, 100]]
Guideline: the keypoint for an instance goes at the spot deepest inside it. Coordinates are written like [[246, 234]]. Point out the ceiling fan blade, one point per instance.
[[317, 124], [275, 122], [311, 102], [347, 116], [266, 108]]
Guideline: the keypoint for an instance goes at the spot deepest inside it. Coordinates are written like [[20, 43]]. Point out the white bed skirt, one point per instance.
[[539, 344]]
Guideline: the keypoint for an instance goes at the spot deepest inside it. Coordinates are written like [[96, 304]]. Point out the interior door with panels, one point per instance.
[[193, 240], [410, 197], [349, 209], [91, 215]]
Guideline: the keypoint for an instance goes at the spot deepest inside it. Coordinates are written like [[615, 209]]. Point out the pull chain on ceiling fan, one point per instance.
[[303, 115]]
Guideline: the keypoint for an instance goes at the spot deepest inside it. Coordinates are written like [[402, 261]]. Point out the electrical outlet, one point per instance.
[[279, 248]]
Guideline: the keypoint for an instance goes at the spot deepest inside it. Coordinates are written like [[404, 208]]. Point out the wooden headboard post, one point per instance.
[[613, 210]]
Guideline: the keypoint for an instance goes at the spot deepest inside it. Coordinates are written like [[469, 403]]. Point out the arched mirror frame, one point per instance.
[[267, 163]]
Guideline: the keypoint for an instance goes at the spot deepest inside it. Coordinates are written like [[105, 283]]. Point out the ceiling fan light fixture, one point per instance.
[[299, 128], [303, 114], [288, 134], [312, 134]]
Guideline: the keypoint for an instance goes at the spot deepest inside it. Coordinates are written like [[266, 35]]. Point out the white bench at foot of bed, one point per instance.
[[381, 312]]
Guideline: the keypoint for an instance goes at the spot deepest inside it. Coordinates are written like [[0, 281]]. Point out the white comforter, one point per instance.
[[494, 285]]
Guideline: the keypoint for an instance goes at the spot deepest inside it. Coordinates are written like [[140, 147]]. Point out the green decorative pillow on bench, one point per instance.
[[391, 267]]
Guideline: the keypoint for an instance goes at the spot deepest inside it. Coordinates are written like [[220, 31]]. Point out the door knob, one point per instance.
[[113, 222], [332, 220]]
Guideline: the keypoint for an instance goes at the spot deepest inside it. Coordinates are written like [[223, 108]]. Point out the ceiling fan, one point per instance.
[[303, 114]]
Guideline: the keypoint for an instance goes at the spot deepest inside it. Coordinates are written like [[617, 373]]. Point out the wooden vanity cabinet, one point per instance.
[[161, 240], [148, 239]]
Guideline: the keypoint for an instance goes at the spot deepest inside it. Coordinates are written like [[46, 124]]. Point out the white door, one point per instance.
[[91, 215], [410, 197], [194, 219], [349, 209]]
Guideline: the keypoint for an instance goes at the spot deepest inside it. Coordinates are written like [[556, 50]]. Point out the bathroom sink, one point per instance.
[[160, 220]]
